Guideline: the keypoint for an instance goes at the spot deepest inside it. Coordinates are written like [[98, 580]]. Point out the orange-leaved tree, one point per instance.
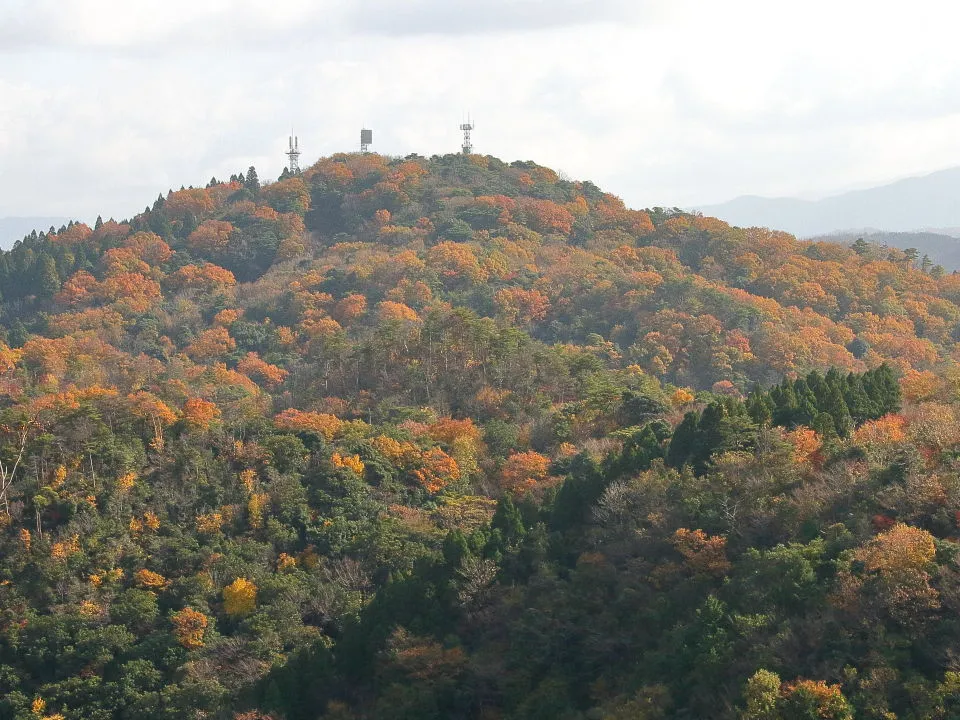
[[200, 414], [189, 627], [704, 553], [436, 471], [253, 366], [212, 236], [523, 305], [891, 573], [523, 471], [323, 424]]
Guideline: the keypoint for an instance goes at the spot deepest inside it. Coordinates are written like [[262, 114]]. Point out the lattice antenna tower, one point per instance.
[[467, 144], [294, 154], [366, 139]]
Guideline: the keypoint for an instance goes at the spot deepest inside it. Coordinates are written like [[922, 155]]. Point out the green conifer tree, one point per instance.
[[683, 441], [48, 281], [252, 183]]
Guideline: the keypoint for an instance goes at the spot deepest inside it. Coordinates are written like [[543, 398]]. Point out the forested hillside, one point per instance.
[[929, 248], [450, 438]]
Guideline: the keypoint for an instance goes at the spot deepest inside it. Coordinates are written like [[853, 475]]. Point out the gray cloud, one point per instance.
[[20, 25], [137, 28], [669, 102], [467, 17]]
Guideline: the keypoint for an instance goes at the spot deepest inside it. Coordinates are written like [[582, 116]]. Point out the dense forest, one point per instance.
[[423, 438]]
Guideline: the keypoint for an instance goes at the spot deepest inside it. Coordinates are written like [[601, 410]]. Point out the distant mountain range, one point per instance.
[[930, 202], [15, 228]]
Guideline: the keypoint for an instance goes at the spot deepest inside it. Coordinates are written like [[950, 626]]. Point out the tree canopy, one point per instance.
[[454, 438]]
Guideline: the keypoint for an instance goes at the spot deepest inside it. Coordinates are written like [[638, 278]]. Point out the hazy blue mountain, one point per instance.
[[917, 203], [14, 228]]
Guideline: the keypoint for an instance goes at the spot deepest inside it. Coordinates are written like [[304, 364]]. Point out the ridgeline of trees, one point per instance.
[[451, 438]]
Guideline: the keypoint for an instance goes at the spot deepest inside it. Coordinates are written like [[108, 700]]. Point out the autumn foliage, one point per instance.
[[211, 236], [254, 367], [240, 598], [522, 471], [323, 424], [200, 414], [701, 552], [189, 628], [455, 437]]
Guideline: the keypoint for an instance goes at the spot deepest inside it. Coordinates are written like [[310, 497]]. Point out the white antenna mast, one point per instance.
[[467, 127], [294, 154]]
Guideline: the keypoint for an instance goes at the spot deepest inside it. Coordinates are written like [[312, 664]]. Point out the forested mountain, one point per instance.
[[451, 438]]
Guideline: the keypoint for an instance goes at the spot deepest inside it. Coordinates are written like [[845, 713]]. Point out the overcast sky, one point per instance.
[[105, 103]]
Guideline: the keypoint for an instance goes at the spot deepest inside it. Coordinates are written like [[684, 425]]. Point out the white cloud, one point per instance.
[[105, 104]]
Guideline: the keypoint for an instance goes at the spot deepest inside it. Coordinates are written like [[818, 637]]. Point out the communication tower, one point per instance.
[[366, 139], [294, 154], [467, 127]]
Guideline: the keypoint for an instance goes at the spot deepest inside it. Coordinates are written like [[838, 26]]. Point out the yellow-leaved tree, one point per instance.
[[240, 598]]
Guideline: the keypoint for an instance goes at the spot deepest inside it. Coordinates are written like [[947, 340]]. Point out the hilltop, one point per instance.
[[454, 438], [568, 261]]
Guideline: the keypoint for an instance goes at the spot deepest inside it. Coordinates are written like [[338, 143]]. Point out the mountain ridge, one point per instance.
[[908, 204]]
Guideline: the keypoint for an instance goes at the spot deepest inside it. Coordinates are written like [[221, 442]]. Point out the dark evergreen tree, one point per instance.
[[818, 387], [48, 281], [806, 409], [760, 407], [252, 182], [581, 489], [638, 408], [508, 521], [326, 209], [836, 407], [825, 426], [785, 404], [18, 334], [881, 386], [861, 407], [641, 449], [188, 225], [684, 440], [158, 223], [835, 379]]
